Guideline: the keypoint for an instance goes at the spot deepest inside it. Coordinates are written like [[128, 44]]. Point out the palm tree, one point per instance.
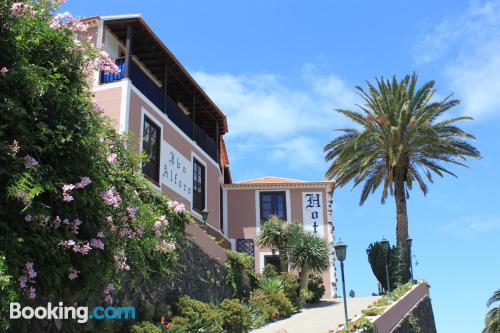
[[492, 322], [401, 139], [274, 233], [308, 253]]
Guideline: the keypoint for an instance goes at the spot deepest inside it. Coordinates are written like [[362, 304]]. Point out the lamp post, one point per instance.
[[385, 249], [204, 216], [340, 251], [409, 242]]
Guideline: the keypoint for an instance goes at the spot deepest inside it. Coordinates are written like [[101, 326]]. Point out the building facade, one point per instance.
[[178, 126], [248, 204]]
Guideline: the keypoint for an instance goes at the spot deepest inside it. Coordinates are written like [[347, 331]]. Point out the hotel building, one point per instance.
[[154, 98]]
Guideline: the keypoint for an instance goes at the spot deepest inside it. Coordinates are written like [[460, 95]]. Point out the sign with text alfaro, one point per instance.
[[312, 210], [176, 171]]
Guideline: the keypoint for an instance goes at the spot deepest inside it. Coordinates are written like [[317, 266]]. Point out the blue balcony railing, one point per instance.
[[155, 94]]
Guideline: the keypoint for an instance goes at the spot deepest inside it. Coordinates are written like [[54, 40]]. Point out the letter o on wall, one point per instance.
[[110, 312], [28, 312], [40, 312]]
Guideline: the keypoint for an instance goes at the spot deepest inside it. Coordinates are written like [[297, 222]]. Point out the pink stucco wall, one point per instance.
[[110, 100], [242, 214]]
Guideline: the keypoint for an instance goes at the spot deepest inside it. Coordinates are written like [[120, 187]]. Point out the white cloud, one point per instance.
[[473, 225], [279, 116], [469, 47]]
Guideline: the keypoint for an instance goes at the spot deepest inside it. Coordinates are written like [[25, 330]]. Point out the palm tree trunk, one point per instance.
[[402, 228], [304, 281], [283, 261]]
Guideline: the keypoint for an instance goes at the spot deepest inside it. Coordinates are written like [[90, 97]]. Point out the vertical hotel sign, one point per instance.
[[176, 171], [312, 209]]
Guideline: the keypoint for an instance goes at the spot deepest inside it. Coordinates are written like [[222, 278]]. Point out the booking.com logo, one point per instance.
[[80, 313]]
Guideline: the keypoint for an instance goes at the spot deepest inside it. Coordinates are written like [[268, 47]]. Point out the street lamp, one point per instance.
[[409, 242], [340, 251], [385, 249], [204, 215]]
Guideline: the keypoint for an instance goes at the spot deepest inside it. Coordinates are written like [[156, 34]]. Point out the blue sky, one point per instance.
[[279, 68]]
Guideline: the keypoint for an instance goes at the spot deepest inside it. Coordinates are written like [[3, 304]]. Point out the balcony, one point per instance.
[[165, 104]]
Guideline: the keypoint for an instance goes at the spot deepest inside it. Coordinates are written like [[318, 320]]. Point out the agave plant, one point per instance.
[[271, 284]]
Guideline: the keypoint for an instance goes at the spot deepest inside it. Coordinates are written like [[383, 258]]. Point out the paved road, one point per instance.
[[319, 318]]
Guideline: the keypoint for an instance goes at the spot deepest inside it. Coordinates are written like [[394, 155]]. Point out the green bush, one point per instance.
[[270, 271], [291, 288], [374, 311], [236, 316], [145, 327], [271, 305], [196, 324], [7, 294], [193, 310], [380, 302], [271, 284], [240, 274], [401, 290], [316, 287]]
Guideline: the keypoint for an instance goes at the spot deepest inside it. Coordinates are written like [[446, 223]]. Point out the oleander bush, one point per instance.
[[77, 217]]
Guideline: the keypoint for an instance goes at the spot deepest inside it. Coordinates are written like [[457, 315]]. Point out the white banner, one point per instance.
[[176, 171], [312, 209]]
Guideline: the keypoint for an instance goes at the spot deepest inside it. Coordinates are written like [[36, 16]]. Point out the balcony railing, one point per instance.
[[154, 93]]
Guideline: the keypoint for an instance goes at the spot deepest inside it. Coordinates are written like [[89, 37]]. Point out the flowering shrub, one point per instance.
[[77, 218]]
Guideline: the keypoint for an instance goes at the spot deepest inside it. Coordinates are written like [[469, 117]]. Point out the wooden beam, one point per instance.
[[194, 115], [128, 50], [164, 86]]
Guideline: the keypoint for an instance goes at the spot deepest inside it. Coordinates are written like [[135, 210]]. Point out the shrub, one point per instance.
[[380, 302], [373, 311], [290, 288], [269, 271], [193, 310], [145, 327], [261, 303], [317, 289], [196, 324], [236, 316], [401, 290]]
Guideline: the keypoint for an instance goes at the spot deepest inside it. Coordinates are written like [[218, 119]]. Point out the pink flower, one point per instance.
[[75, 225], [19, 8], [84, 181], [22, 281], [111, 158], [106, 64], [165, 246], [121, 263], [14, 147], [100, 234], [32, 293], [4, 70], [108, 291], [73, 274], [111, 197], [97, 108], [131, 212], [67, 243], [29, 162], [28, 218], [67, 198], [57, 222], [68, 187], [180, 208], [30, 270], [97, 244]]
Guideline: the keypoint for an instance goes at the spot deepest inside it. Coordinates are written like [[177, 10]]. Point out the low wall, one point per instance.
[[206, 242], [411, 313]]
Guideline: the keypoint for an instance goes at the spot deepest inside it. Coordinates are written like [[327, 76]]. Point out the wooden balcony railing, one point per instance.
[[154, 93]]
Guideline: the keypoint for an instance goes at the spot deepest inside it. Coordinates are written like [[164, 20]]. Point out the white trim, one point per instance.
[[257, 206], [144, 113], [100, 31], [233, 243], [201, 161], [105, 86], [120, 17], [276, 186], [261, 259], [225, 223], [174, 126], [125, 107]]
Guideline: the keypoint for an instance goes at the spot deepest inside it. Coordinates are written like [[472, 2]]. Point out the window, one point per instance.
[[151, 146], [273, 260], [198, 186], [272, 203]]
